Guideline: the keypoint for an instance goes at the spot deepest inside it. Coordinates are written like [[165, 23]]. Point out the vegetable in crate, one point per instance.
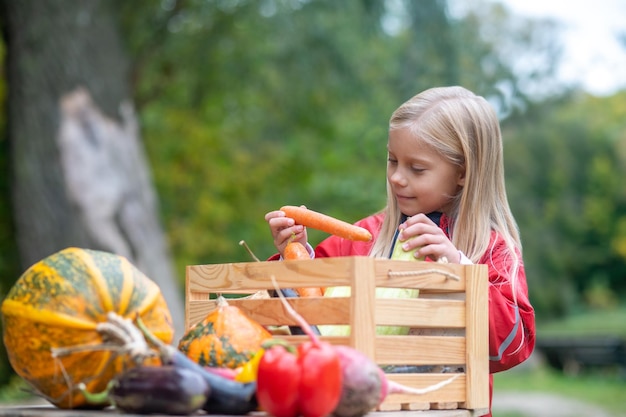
[[397, 254], [154, 390], [62, 303], [227, 337], [296, 251]]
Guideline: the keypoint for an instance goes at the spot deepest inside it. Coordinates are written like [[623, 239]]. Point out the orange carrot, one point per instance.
[[296, 250], [325, 223]]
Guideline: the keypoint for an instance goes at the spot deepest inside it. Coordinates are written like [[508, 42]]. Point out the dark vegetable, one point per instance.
[[159, 389], [363, 390], [227, 396], [154, 390], [362, 384]]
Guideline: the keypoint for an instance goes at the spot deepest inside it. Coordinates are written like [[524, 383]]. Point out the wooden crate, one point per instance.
[[449, 319]]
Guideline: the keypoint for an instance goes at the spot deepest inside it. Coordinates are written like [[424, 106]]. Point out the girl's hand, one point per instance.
[[284, 229], [420, 232]]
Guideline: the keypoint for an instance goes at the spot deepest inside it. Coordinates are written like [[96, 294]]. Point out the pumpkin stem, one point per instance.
[[147, 333], [221, 301], [119, 335], [166, 352]]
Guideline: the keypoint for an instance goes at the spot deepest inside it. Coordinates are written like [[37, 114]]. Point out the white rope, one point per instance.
[[423, 272]]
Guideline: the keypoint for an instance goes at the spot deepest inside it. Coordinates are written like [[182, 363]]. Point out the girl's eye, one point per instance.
[[417, 169], [392, 161]]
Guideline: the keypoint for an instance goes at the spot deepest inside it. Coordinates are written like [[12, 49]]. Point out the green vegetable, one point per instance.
[[401, 255], [344, 330]]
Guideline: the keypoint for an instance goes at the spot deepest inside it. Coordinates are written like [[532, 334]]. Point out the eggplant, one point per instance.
[[227, 396], [159, 390], [153, 390]]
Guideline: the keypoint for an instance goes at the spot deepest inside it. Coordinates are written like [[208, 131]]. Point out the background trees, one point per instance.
[[244, 106]]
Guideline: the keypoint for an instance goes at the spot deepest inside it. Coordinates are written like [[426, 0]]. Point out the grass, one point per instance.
[[15, 391], [601, 388], [588, 323]]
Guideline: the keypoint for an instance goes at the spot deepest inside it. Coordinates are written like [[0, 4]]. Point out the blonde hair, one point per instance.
[[464, 129]]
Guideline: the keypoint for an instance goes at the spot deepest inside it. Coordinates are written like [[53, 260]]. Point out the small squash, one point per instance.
[[58, 303], [226, 338]]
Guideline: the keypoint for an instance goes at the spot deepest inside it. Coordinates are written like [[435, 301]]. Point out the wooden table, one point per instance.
[[49, 411]]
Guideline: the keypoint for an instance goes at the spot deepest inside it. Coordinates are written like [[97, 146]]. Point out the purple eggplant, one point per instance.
[[227, 396], [159, 389]]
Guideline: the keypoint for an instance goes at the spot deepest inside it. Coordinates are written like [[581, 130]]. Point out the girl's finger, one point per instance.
[[273, 214]]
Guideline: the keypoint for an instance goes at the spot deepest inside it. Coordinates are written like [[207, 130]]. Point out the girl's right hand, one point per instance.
[[284, 229]]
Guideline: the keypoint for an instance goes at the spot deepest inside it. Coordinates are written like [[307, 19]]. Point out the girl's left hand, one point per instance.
[[420, 232]]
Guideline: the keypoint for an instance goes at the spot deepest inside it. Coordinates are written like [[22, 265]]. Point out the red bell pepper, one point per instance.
[[305, 383]]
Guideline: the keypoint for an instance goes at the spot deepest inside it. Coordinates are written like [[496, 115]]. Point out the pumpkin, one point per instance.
[[58, 303], [226, 337]]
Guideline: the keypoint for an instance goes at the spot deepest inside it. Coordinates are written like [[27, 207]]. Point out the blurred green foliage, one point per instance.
[[246, 106], [249, 105], [565, 164]]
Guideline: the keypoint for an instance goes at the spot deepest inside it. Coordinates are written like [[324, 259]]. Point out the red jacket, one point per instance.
[[511, 325]]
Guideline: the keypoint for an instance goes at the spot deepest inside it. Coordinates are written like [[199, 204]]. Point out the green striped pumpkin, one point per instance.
[[58, 302]]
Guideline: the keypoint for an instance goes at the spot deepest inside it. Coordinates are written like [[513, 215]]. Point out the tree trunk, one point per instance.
[[80, 176]]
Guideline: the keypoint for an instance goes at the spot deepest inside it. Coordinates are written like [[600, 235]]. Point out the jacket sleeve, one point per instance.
[[511, 318]]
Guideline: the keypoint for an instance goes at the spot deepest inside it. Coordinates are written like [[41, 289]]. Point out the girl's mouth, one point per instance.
[[402, 197]]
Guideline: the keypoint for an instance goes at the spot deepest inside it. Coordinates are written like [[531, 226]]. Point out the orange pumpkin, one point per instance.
[[225, 338], [58, 303]]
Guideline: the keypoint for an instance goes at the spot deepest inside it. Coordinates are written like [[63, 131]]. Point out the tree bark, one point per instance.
[[79, 173]]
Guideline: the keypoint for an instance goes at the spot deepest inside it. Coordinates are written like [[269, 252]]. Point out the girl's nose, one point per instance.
[[397, 178]]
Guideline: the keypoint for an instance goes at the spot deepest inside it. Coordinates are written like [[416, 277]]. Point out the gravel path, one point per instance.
[[545, 405]]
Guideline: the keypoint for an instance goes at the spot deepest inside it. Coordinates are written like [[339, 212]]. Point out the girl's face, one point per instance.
[[421, 179]]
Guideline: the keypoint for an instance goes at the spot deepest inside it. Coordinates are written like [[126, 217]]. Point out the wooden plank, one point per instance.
[[424, 313], [477, 333], [327, 272], [420, 350], [363, 330]]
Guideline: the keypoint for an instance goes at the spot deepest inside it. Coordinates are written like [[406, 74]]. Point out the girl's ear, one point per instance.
[[461, 179]]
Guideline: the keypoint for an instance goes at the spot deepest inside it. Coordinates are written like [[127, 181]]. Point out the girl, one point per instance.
[[446, 200]]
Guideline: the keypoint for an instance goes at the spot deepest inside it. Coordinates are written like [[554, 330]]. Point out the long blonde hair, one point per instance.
[[464, 129]]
